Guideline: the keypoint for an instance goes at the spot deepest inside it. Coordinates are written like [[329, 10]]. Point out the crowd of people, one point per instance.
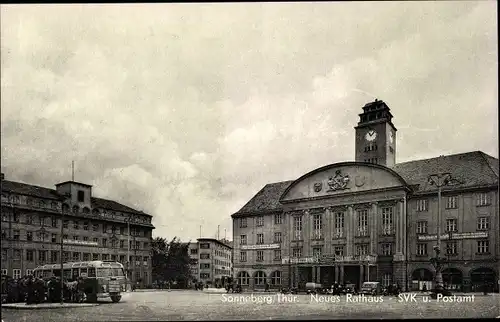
[[34, 290]]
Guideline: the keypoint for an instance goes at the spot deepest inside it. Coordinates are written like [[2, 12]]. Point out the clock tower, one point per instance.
[[376, 135]]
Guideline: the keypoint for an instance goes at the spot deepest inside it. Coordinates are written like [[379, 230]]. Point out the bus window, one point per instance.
[[104, 272], [118, 271], [91, 272], [39, 273], [47, 273], [83, 271], [67, 273], [75, 273]]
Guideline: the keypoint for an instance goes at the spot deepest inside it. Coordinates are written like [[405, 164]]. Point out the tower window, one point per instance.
[[81, 195]]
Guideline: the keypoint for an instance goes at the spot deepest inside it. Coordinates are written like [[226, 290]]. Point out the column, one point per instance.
[[313, 277], [373, 228], [342, 273], [349, 230], [318, 274], [337, 273], [397, 223], [361, 275]]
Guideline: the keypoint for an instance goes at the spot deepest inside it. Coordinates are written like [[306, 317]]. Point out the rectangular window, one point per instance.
[[387, 279], [277, 237], [81, 196], [243, 256], [42, 255], [53, 238], [104, 242], [204, 266], [421, 227], [204, 256], [85, 225], [29, 236], [17, 254], [65, 223], [297, 252], [260, 239], [76, 225], [204, 246], [243, 239], [317, 252], [297, 227], [95, 257], [339, 225], [76, 256], [277, 254], [260, 221], [105, 257], [338, 250], [29, 219], [122, 231], [86, 257], [54, 256], [317, 226], [451, 225], [387, 220], [422, 249], [361, 249], [66, 256], [387, 249], [95, 227], [122, 244], [29, 255], [483, 199], [260, 256], [204, 275], [278, 219], [451, 248], [483, 246], [75, 237], [29, 272], [54, 222], [243, 222], [16, 235], [422, 205], [483, 223], [451, 202], [362, 222], [16, 273]]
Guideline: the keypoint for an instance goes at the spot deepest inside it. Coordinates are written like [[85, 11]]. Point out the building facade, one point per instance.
[[211, 261], [374, 219], [92, 229]]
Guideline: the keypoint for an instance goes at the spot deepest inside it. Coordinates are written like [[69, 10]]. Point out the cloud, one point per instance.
[[186, 111]]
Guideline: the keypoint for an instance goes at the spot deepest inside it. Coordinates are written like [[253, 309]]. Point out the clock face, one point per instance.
[[391, 136], [371, 135]]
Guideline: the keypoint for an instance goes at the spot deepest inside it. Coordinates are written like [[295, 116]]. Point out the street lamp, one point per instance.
[[439, 180]]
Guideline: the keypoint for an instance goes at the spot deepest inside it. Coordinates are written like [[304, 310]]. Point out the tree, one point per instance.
[[171, 261]]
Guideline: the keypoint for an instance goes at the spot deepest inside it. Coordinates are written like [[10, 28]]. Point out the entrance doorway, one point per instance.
[[352, 275], [327, 275]]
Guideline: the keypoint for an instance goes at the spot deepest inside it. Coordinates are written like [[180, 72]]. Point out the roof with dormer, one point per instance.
[[469, 170], [52, 194]]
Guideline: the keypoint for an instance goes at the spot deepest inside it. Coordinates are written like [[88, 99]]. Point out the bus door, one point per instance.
[[75, 273]]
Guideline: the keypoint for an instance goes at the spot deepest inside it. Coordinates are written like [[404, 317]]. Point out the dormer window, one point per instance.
[[81, 196]]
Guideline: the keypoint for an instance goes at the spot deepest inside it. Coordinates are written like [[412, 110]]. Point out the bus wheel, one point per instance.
[[116, 298]]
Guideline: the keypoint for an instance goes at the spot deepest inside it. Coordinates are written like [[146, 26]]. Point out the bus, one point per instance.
[[102, 279]]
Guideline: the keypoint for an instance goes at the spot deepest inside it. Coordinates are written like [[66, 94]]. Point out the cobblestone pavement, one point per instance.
[[193, 305]]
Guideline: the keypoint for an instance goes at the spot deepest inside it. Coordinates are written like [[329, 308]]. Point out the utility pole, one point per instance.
[[128, 248], [61, 253]]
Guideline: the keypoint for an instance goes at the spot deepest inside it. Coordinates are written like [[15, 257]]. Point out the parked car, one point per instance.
[[314, 288], [371, 288], [350, 289]]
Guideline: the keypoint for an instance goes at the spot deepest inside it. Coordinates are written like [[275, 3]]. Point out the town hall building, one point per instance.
[[374, 219]]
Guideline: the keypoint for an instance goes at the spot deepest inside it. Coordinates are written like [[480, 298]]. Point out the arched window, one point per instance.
[[65, 208], [53, 205], [29, 201], [243, 278], [17, 199], [260, 278], [41, 204], [76, 209], [276, 278], [95, 212], [86, 210]]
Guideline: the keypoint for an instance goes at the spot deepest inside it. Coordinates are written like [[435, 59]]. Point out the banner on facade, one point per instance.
[[470, 235], [257, 247], [329, 259], [80, 242]]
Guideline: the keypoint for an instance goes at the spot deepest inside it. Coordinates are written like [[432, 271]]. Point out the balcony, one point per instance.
[[387, 231]]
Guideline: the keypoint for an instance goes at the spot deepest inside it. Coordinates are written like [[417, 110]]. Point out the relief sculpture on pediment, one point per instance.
[[338, 182]]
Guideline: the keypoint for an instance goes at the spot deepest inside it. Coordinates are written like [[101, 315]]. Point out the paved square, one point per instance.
[[193, 305]]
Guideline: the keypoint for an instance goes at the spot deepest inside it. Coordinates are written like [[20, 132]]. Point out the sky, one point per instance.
[[185, 111]]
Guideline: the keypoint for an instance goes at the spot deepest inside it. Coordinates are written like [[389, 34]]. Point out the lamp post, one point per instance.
[[439, 180], [61, 256]]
